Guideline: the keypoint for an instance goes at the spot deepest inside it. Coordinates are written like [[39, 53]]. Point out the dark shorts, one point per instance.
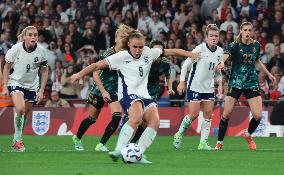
[[98, 101], [29, 96], [128, 100], [197, 97], [249, 93]]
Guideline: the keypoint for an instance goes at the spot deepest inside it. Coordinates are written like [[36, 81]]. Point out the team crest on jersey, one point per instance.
[[36, 59], [254, 50], [41, 122], [218, 58]]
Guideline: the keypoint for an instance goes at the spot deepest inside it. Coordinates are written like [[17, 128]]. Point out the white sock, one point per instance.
[[18, 125], [147, 138], [205, 130], [124, 137], [184, 124]]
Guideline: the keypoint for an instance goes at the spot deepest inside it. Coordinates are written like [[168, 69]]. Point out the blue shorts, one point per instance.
[[197, 97], [29, 96], [128, 100]]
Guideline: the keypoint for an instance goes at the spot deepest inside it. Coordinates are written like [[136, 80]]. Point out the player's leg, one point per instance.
[[141, 128], [207, 109], [135, 113], [19, 103], [115, 109], [255, 104], [155, 94], [223, 125], [84, 126], [194, 108], [151, 117], [194, 100], [123, 120]]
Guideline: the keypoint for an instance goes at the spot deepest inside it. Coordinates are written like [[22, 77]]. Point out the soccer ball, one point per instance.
[[131, 153]]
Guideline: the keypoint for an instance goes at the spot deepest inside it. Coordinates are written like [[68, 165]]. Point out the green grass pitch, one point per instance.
[[52, 155]]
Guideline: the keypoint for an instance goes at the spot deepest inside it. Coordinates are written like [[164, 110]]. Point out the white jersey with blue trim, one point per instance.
[[133, 73], [25, 66], [203, 72]]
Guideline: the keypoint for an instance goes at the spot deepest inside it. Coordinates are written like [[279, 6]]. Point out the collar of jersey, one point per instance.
[[132, 55], [209, 47], [33, 49]]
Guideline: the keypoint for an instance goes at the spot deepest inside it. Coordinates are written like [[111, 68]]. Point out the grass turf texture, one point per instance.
[[55, 155]]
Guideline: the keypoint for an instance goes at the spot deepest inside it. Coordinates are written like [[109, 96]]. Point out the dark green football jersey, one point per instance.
[[158, 68], [243, 73], [109, 78]]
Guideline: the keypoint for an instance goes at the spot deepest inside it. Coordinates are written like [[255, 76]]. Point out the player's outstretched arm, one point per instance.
[[181, 52], [89, 69], [262, 67]]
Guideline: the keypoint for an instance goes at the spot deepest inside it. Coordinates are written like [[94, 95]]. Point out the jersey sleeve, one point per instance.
[[44, 58], [156, 53], [115, 61], [11, 55], [186, 65], [258, 51]]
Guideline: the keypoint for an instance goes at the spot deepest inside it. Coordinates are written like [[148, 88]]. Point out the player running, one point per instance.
[[134, 65], [245, 56], [103, 90], [21, 80], [200, 86], [159, 67]]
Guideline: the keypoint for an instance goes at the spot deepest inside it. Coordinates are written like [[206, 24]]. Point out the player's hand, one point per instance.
[[272, 78], [106, 96], [220, 66], [171, 92], [181, 87], [75, 77], [40, 96], [195, 56], [5, 91]]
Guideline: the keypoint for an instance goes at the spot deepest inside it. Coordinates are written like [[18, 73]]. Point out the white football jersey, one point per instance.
[[133, 73], [203, 72], [25, 66]]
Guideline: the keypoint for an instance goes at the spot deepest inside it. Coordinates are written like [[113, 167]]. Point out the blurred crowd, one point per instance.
[[76, 32]]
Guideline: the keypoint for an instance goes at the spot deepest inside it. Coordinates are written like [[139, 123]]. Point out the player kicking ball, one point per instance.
[[200, 86], [134, 65]]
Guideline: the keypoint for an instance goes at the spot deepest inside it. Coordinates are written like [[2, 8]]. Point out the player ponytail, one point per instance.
[[124, 32], [24, 31], [239, 37]]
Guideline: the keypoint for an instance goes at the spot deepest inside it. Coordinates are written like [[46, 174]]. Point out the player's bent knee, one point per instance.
[[134, 120], [20, 111], [92, 119]]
